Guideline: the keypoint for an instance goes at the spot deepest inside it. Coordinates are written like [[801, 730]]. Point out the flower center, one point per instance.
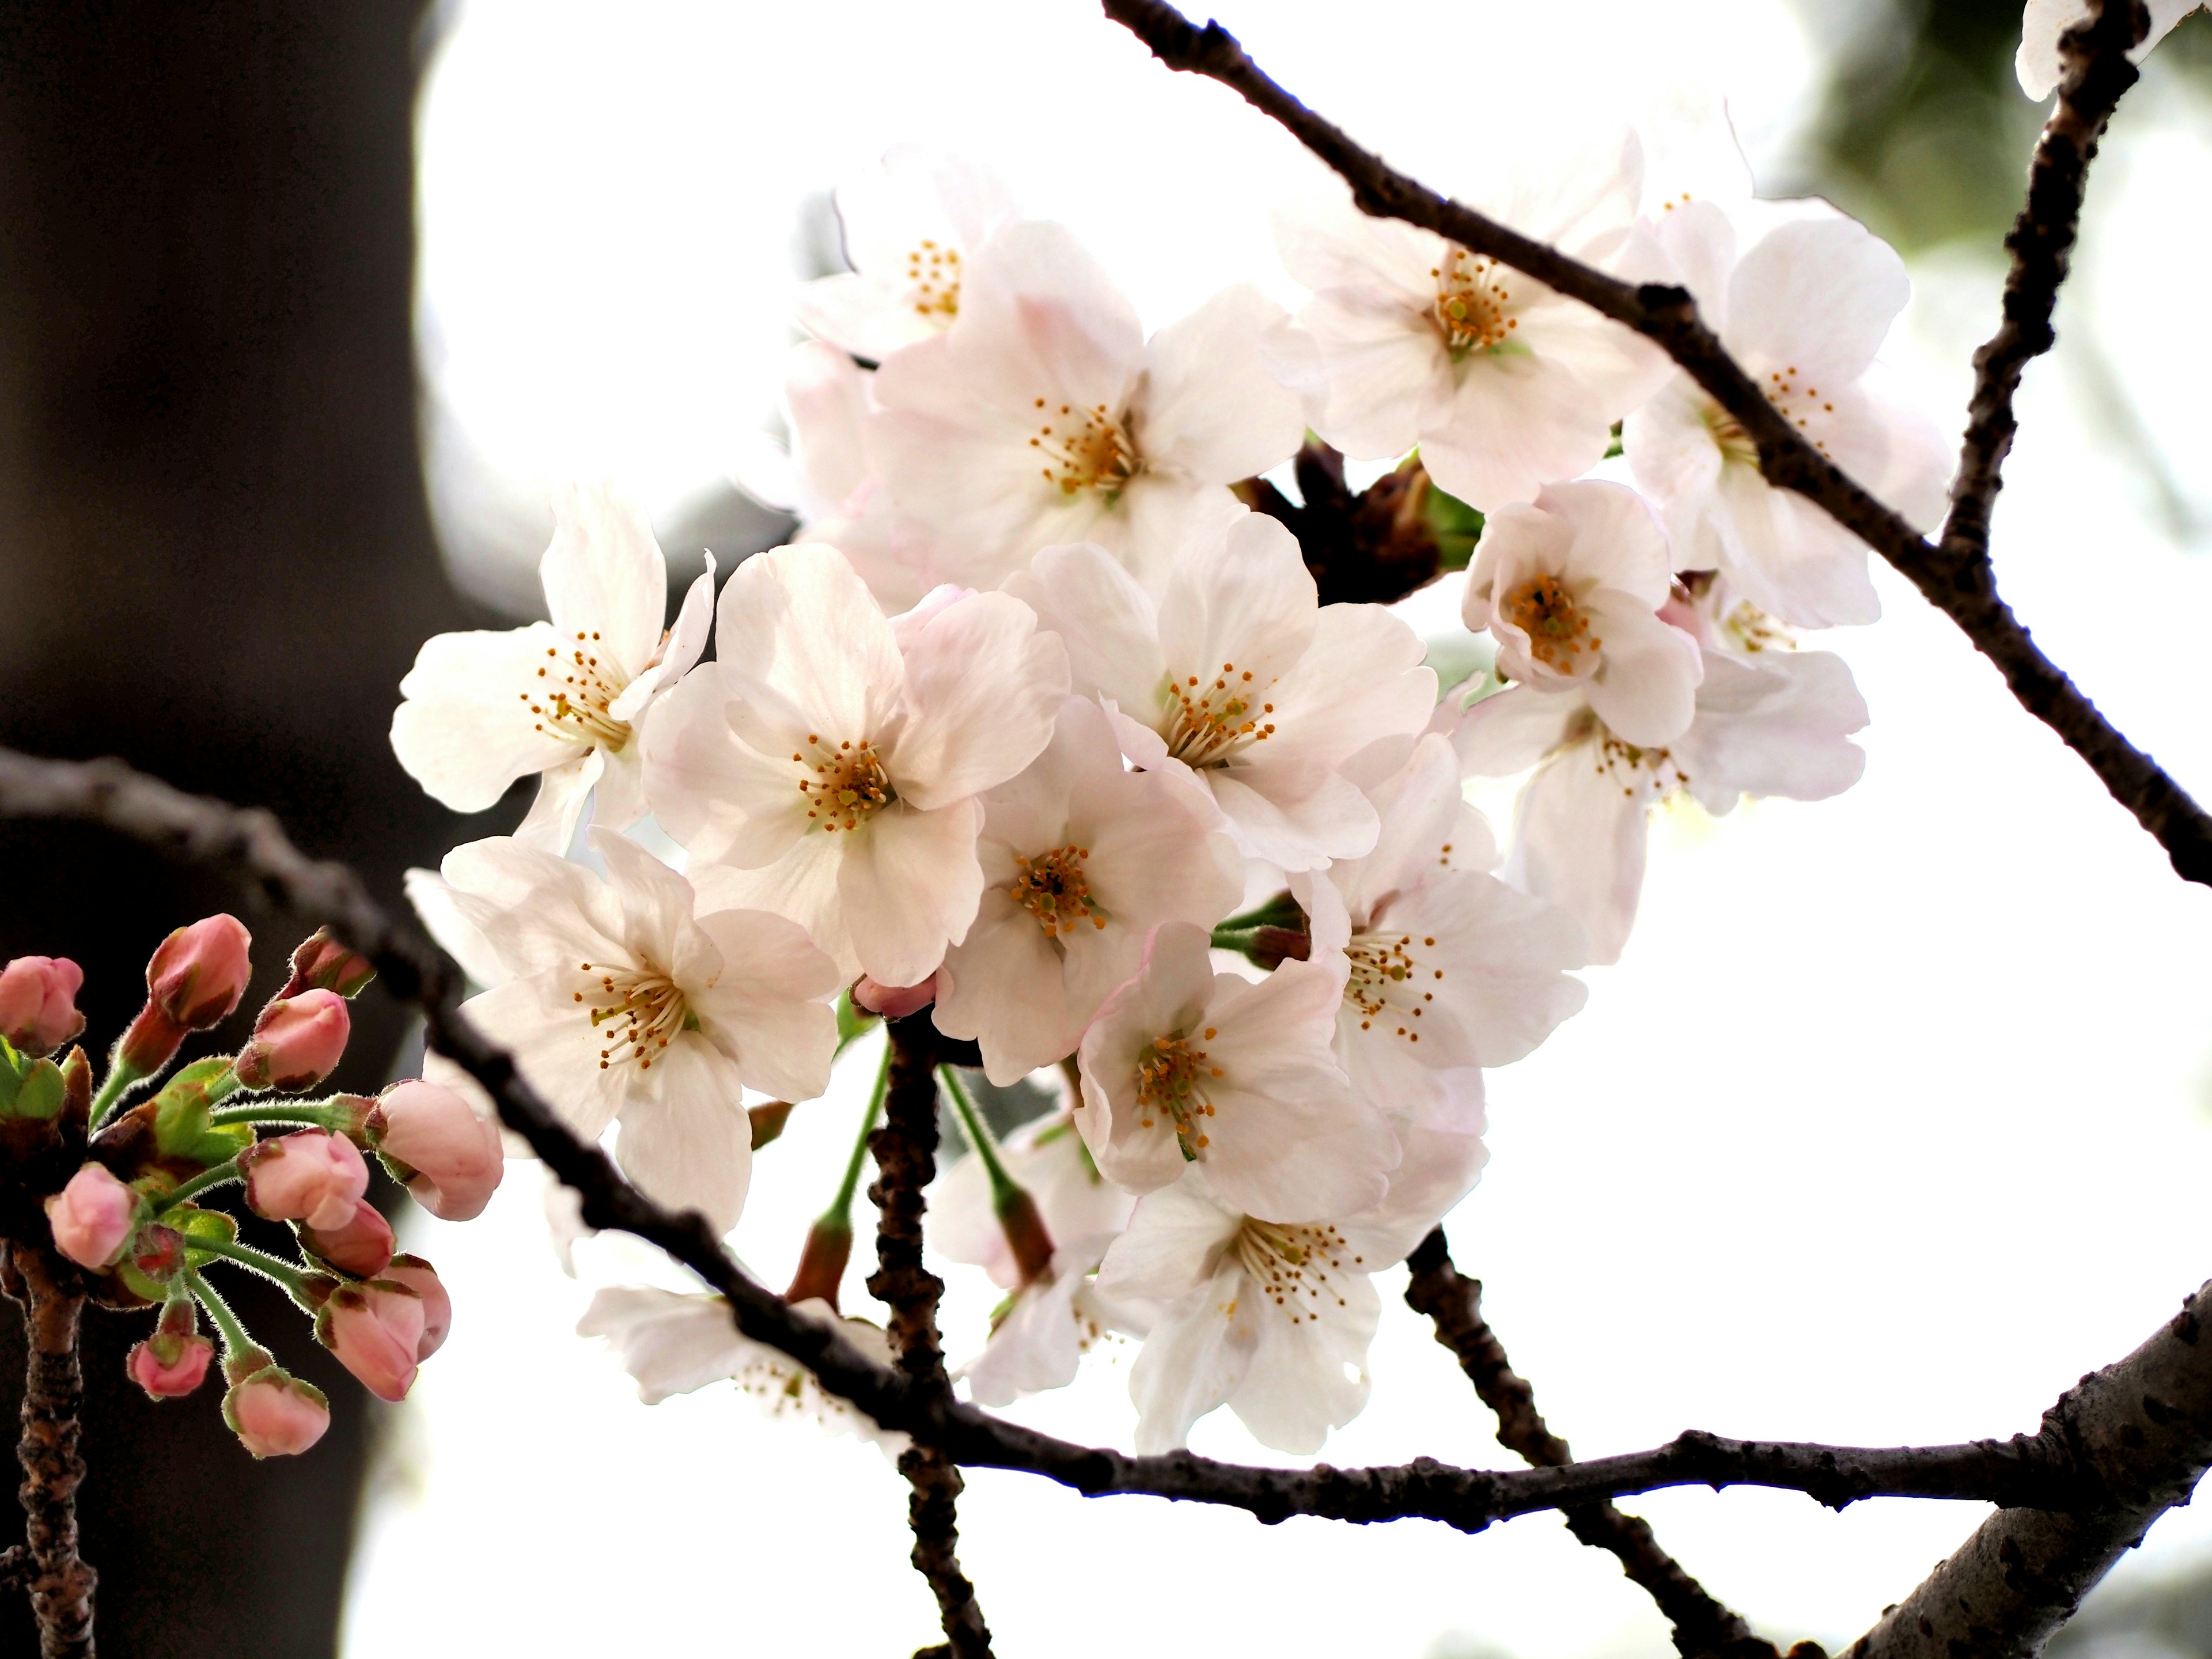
[[1211, 722], [1052, 888], [1557, 632], [1617, 757], [1292, 1265], [1757, 631], [845, 786], [1801, 405], [635, 1010], [1085, 449], [1471, 302], [574, 694], [1388, 984], [1736, 444], [1172, 1082], [933, 277]]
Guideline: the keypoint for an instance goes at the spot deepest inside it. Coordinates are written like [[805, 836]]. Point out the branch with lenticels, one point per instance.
[[2147, 1451], [1964, 589]]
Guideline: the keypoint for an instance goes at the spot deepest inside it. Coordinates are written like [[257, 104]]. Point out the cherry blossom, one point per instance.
[[1769, 722], [1044, 415], [622, 1004], [1080, 858], [1450, 969], [1272, 1320], [1048, 1159], [912, 224], [1238, 681], [827, 766], [1185, 1066], [561, 698], [2037, 64], [1571, 586], [1504, 384], [1804, 305]]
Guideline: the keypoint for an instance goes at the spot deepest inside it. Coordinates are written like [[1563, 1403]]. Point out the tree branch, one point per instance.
[[1453, 1304], [2097, 73], [905, 1151], [1964, 590], [60, 1581]]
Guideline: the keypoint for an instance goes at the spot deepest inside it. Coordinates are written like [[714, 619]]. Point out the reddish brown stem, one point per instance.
[[60, 1581]]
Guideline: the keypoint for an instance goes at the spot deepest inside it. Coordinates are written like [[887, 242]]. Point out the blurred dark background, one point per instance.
[[216, 561]]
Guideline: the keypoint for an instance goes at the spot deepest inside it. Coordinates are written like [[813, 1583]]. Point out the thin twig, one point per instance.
[[2033, 1470], [60, 1580], [2041, 243], [1453, 1302], [1963, 589], [905, 1151]]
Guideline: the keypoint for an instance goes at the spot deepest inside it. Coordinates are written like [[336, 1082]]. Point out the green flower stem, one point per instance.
[[315, 1113], [234, 1337], [1004, 1190], [120, 1077], [222, 1086], [199, 1183], [841, 1208], [1280, 911], [260, 1262]]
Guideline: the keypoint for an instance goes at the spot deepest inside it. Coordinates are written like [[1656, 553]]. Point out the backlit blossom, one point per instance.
[[1041, 1334], [1044, 416], [1505, 385], [1239, 680], [827, 766], [1185, 1066], [1048, 1159], [1571, 586], [2037, 64], [1272, 1320], [1080, 858], [561, 698], [622, 1004], [1450, 969], [912, 224], [1804, 307]]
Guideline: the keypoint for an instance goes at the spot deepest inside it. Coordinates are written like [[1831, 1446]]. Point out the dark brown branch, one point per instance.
[[2027, 1470], [905, 1151], [1453, 1304], [1963, 590], [60, 1581], [2097, 73], [2142, 1430]]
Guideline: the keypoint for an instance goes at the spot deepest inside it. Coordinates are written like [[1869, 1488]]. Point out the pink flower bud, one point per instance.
[[894, 1001], [360, 1245], [450, 1159], [168, 1365], [321, 963], [420, 1277], [312, 1176], [200, 972], [275, 1414], [37, 1003], [93, 1218], [376, 1331], [296, 1041]]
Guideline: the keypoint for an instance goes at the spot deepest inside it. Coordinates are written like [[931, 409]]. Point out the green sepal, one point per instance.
[[195, 1222], [36, 1093], [139, 1283], [183, 1123]]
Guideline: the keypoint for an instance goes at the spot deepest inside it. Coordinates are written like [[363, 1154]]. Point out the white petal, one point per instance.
[[1208, 406], [1108, 626], [1197, 1355], [1816, 296], [768, 1008], [1308, 1377], [1579, 841], [550, 822], [799, 620], [908, 885], [606, 583], [466, 728], [672, 1343], [687, 1142], [983, 686]]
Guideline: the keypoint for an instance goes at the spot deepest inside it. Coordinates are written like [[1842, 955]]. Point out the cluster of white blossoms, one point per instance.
[[1038, 727]]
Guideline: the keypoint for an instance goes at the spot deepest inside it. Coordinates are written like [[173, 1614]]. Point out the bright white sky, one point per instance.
[[1896, 1118]]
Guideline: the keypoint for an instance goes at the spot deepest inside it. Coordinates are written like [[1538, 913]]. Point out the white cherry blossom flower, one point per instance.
[[1504, 384], [1571, 586], [1239, 681], [1080, 858], [1040, 1334], [620, 1005], [2037, 64], [912, 223], [562, 698], [1773, 722], [679, 1342], [1804, 307], [1184, 1066], [828, 765], [1272, 1320], [1451, 970], [1044, 415], [1048, 1159]]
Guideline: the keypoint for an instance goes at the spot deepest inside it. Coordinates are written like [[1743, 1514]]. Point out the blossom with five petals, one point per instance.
[[562, 698], [828, 764], [623, 1005], [1238, 680]]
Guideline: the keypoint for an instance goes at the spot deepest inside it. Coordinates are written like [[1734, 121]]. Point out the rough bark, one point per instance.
[[60, 1580]]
